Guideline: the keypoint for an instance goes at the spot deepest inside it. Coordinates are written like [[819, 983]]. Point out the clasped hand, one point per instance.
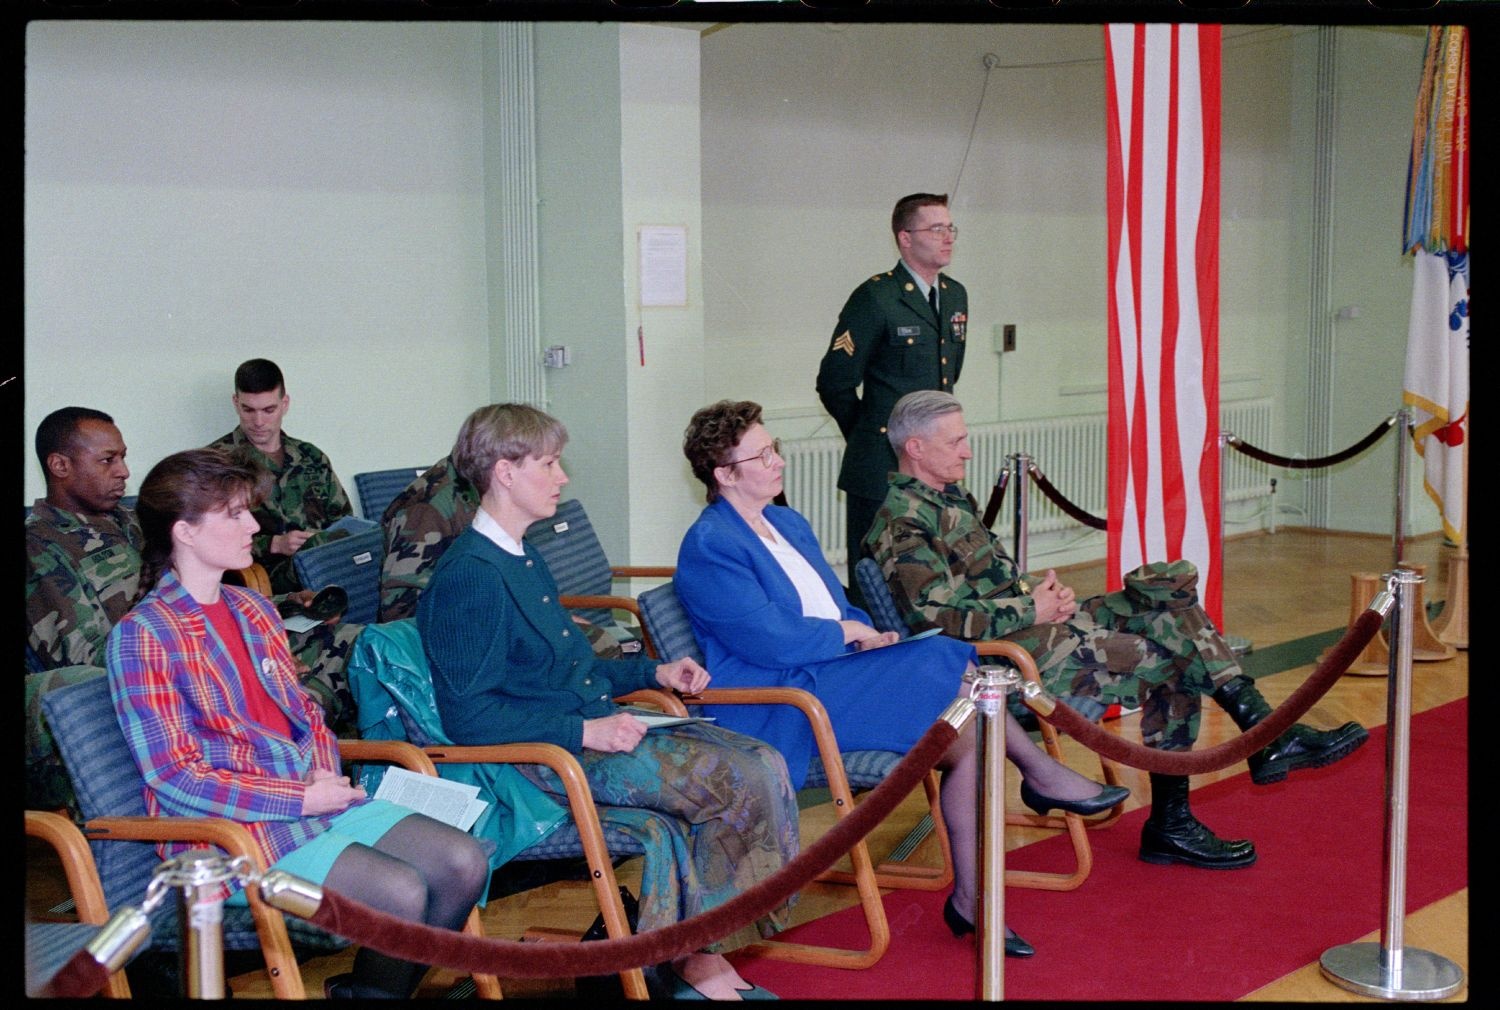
[[619, 733], [1054, 601], [328, 792]]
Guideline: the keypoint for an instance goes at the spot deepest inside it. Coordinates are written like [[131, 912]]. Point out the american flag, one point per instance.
[[1162, 119]]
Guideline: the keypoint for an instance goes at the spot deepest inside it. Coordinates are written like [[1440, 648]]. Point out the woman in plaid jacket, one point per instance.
[[207, 693]]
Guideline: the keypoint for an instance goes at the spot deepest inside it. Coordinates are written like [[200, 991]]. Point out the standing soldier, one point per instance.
[[900, 331]]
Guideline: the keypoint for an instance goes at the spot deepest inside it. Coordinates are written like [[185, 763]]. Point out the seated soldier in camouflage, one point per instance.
[[1149, 646], [83, 563], [420, 524], [305, 497]]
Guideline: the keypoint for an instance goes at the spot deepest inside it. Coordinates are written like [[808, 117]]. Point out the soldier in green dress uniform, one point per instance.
[[900, 331]]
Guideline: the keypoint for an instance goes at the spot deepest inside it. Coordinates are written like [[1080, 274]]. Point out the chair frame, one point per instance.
[[236, 841], [585, 818], [82, 876]]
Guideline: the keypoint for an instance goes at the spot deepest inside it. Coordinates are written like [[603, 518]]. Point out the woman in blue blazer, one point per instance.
[[769, 612]]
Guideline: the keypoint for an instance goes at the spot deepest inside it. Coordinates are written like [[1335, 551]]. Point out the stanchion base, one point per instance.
[[1423, 976], [1238, 644]]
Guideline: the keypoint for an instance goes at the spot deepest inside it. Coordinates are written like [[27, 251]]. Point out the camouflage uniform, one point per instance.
[[1149, 645], [420, 523], [84, 573], [306, 495]]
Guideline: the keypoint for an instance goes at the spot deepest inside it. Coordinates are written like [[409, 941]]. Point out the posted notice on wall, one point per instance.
[[663, 264]]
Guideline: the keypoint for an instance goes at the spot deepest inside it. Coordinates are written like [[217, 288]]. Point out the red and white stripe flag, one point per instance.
[[1162, 118]]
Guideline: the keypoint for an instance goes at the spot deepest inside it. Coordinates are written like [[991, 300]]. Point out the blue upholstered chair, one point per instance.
[[392, 686], [50, 945], [585, 578], [109, 789], [378, 488], [351, 561]]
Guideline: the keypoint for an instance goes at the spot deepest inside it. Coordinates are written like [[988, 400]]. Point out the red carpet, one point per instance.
[[1135, 931]]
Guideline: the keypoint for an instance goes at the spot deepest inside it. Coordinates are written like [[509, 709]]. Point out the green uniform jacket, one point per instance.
[[83, 573], [888, 340], [306, 495]]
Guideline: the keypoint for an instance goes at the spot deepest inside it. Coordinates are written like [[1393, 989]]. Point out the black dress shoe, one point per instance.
[[1304, 747], [1014, 945], [1107, 797]]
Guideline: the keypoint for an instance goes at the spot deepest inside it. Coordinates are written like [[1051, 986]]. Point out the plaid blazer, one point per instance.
[[183, 711]]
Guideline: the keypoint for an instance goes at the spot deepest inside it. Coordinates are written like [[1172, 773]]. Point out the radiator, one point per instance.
[[1070, 451]]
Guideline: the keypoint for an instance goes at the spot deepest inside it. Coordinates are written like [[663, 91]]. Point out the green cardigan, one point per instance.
[[508, 662]]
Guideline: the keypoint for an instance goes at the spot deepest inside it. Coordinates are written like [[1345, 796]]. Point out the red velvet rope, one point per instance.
[[81, 976], [992, 508], [516, 959], [1231, 752], [1058, 499]]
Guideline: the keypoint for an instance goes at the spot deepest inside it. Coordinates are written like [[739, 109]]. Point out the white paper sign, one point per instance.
[[663, 264]]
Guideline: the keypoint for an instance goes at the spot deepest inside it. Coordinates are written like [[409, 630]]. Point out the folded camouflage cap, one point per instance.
[[1159, 585]]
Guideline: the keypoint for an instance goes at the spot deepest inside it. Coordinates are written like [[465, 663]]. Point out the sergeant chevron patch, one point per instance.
[[844, 342]]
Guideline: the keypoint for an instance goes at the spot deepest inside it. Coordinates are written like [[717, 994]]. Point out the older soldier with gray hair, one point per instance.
[[1149, 645]]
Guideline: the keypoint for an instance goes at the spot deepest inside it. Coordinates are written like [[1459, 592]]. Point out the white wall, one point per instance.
[[811, 132], [202, 193]]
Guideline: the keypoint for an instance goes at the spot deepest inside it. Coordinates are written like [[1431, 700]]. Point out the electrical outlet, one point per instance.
[[1008, 337]]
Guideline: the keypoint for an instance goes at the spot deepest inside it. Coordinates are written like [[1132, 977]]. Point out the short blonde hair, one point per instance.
[[499, 431]]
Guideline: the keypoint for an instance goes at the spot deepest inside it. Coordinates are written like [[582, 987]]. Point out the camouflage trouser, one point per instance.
[[324, 650], [47, 784], [1161, 661]]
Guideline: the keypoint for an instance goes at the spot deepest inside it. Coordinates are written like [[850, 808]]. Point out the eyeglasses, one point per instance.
[[937, 230], [766, 456]]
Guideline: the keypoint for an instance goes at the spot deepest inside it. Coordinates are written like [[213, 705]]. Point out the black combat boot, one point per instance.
[[1297, 748], [1173, 835]]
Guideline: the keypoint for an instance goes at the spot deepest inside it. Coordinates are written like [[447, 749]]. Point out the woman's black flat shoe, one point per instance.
[[1014, 945], [1107, 797]]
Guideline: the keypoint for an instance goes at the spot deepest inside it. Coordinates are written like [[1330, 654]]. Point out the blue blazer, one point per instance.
[[747, 616]]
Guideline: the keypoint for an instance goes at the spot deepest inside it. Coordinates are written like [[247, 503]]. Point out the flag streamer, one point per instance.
[[1163, 126]]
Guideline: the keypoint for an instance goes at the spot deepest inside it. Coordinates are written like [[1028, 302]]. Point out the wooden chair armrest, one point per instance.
[[643, 571], [1013, 652], [253, 577], [228, 835], [817, 717], [626, 603], [580, 805], [77, 862], [656, 698], [396, 752]]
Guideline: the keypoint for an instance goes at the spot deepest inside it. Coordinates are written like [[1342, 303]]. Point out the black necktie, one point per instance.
[[932, 298]]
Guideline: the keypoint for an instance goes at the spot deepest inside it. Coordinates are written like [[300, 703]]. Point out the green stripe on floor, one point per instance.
[[1266, 660]]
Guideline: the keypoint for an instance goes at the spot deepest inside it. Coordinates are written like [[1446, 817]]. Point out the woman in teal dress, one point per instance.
[[510, 664]]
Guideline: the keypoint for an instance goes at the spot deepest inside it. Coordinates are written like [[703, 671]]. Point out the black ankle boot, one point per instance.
[[1173, 835], [1297, 748]]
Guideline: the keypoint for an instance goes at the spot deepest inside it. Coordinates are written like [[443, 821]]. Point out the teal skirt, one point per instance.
[[365, 824]]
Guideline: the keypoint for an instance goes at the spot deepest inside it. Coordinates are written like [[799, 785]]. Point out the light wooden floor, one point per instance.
[[1277, 588]]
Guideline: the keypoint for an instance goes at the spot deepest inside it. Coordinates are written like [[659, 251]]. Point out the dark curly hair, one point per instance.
[[712, 433], [186, 485]]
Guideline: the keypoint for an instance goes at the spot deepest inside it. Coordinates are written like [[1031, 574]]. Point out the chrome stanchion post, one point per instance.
[[1403, 465], [1389, 969], [1238, 644], [198, 873], [990, 691], [1020, 464]]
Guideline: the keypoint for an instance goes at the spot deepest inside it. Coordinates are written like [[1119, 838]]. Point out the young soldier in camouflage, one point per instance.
[[83, 562], [1149, 645], [420, 523], [305, 494]]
